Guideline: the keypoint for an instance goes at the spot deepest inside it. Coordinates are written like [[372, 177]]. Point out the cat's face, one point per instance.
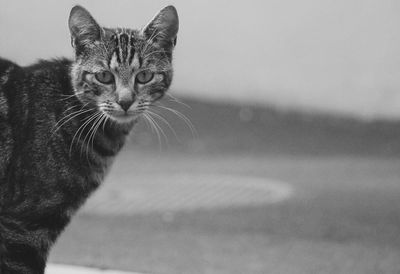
[[121, 72]]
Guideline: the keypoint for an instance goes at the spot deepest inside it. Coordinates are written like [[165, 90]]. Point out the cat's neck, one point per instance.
[[91, 137]]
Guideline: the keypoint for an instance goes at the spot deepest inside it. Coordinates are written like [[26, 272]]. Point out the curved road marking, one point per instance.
[[146, 193], [68, 269]]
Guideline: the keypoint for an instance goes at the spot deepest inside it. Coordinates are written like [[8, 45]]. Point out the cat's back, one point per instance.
[[49, 74], [41, 81], [27, 96], [55, 71], [24, 88], [6, 69]]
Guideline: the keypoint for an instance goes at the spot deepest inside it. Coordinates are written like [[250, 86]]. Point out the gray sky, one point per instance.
[[332, 55]]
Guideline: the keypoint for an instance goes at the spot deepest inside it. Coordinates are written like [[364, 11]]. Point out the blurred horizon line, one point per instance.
[[337, 56]]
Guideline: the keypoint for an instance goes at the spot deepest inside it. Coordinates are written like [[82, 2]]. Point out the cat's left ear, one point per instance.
[[163, 28], [84, 29]]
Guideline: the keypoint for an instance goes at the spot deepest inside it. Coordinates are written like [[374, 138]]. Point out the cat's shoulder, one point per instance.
[[53, 73], [5, 64], [58, 65]]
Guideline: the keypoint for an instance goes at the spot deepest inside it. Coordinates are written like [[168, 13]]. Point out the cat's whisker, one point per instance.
[[153, 128], [156, 115], [176, 100], [68, 109], [68, 118], [81, 129], [93, 122], [105, 121], [66, 97], [185, 119], [98, 124], [159, 128], [72, 107], [96, 127], [92, 134], [65, 111]]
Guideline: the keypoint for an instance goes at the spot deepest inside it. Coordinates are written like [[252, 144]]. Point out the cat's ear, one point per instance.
[[163, 27], [84, 29]]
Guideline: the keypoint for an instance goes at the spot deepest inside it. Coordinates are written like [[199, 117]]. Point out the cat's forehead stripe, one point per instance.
[[124, 45], [118, 47], [130, 48]]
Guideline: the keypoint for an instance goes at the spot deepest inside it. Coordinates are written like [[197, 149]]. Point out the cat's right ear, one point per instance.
[[84, 29], [163, 28]]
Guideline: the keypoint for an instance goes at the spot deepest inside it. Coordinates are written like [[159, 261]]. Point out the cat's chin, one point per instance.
[[124, 118]]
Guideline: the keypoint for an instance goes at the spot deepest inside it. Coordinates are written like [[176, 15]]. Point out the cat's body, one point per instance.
[[43, 183], [56, 145]]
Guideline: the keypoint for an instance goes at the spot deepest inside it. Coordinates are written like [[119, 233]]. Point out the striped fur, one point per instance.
[[60, 130]]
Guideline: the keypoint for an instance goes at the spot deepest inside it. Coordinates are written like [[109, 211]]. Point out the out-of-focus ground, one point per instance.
[[343, 215]]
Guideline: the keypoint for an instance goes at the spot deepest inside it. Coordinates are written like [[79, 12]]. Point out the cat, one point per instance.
[[62, 122]]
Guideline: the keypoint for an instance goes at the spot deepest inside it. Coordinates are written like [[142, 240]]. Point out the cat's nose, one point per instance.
[[125, 104]]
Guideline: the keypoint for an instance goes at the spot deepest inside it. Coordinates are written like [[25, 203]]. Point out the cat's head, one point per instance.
[[121, 72]]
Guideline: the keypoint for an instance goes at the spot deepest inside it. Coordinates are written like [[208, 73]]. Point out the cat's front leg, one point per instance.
[[23, 252]]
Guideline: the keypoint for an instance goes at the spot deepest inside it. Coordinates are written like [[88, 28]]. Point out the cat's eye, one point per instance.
[[144, 77], [104, 77]]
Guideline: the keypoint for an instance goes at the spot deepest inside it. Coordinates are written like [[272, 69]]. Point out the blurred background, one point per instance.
[[283, 156]]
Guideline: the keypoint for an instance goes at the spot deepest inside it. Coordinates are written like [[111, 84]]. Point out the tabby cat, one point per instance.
[[62, 123]]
